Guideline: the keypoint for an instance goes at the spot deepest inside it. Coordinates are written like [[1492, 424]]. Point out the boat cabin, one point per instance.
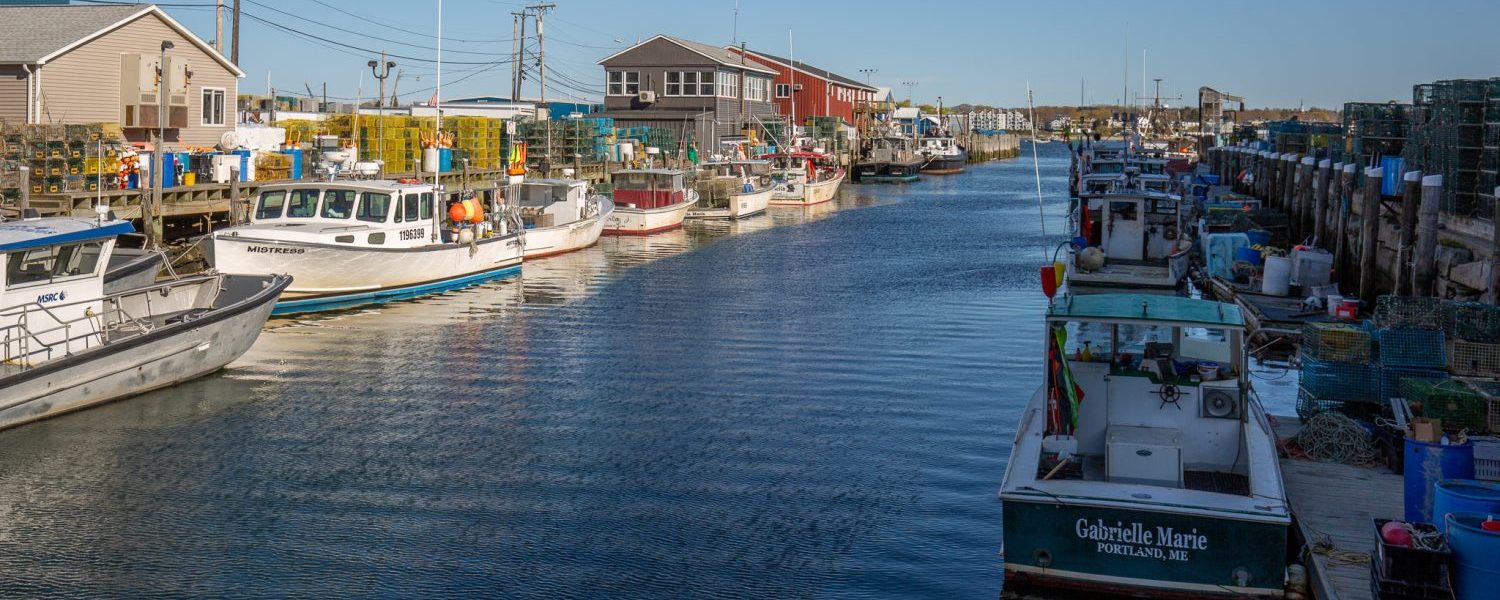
[[940, 146], [53, 285], [378, 213], [551, 202], [890, 149], [1150, 390], [1135, 226], [647, 189]]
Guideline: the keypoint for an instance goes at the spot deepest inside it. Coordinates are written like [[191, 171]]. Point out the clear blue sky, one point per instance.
[[1273, 52]]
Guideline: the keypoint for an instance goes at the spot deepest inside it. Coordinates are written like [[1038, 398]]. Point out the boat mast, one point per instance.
[[437, 131], [1036, 168]]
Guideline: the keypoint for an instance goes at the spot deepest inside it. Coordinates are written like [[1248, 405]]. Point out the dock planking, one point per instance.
[[1338, 502]]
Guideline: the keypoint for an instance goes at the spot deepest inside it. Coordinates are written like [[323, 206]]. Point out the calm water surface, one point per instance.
[[814, 403]]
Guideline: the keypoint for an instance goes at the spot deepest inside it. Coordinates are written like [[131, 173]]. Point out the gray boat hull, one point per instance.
[[169, 354]]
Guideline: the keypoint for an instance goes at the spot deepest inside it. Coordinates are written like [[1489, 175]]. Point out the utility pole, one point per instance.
[[234, 48], [381, 70], [541, 73], [219, 26]]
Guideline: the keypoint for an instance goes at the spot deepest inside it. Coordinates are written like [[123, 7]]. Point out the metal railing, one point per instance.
[[22, 341]]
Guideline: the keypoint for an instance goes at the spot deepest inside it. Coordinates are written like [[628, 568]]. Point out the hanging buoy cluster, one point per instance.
[[466, 211]]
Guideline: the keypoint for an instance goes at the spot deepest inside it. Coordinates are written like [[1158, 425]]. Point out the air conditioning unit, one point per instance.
[[647, 97], [177, 79], [796, 87]]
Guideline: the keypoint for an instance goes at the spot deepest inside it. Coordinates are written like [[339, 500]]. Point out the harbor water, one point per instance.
[[813, 403]]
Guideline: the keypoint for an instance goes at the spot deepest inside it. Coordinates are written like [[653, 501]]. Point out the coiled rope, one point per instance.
[[1335, 438]]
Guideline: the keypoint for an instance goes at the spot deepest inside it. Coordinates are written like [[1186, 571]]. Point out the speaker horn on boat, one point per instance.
[[1220, 404]]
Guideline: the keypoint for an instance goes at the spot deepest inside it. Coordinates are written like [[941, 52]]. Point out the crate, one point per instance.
[[1425, 348], [1335, 342], [1471, 321], [1390, 377], [1458, 405], [1412, 565], [1310, 405], [1334, 380], [1404, 312], [1473, 359], [1486, 456]]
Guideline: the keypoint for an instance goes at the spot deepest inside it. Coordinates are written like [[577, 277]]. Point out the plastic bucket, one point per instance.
[[1425, 465], [1277, 279], [1475, 570], [1334, 302], [1248, 254], [1465, 496], [1208, 370]]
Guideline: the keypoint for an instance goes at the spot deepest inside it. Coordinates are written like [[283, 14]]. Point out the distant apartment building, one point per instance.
[[999, 119]]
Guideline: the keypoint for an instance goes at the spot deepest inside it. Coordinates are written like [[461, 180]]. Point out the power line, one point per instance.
[[363, 34], [417, 33], [368, 51]]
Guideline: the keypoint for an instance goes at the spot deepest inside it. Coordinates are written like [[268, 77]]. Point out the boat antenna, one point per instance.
[[1036, 168]]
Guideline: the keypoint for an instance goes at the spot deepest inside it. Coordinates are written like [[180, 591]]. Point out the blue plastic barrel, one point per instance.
[[445, 159], [1475, 568], [168, 175], [1425, 465], [1465, 496], [1391, 170], [296, 170], [1247, 254], [1258, 237]]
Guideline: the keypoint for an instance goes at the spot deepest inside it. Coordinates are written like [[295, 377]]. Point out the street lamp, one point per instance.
[[867, 73]]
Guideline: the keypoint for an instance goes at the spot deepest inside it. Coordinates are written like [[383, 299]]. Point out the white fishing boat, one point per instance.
[[733, 189], [66, 344], [1144, 466], [1129, 236], [648, 201], [347, 243], [560, 216], [805, 178]]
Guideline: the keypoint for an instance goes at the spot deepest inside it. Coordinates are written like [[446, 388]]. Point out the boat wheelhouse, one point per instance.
[[943, 155], [733, 189], [888, 160], [560, 215], [1144, 465], [65, 344], [649, 201], [348, 242], [804, 178], [1130, 237]]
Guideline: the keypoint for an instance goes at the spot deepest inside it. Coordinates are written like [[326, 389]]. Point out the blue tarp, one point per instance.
[[1221, 250]]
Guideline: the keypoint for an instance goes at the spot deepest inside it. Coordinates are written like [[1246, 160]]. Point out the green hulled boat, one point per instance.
[[1144, 466]]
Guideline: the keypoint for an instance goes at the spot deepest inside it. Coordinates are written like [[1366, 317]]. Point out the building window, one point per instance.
[[689, 83], [213, 107], [783, 90], [729, 85], [756, 88], [624, 83]]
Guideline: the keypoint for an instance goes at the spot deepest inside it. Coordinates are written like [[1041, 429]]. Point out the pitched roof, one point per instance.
[[807, 68], [38, 33], [714, 53]]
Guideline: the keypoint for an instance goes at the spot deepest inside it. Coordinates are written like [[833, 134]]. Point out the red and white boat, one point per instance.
[[805, 178], [648, 201]]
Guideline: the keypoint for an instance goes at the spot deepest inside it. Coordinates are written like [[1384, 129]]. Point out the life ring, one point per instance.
[[1170, 233]]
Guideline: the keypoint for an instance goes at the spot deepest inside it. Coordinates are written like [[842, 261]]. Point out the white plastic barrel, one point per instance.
[[430, 160], [1276, 280]]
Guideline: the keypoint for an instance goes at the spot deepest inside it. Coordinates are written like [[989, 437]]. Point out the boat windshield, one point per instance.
[[374, 207], [338, 204], [50, 263], [270, 204], [302, 204]]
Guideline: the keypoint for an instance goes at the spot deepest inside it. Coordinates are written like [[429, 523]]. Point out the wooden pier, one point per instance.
[[1333, 507]]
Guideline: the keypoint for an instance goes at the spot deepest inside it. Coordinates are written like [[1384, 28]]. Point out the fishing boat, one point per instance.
[[943, 155], [1130, 236], [732, 189], [649, 201], [1144, 465], [66, 344], [890, 159], [560, 215], [804, 178], [351, 242]]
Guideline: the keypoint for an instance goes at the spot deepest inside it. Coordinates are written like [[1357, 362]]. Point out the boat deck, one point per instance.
[[1335, 503], [1120, 273], [1271, 320], [1092, 469]]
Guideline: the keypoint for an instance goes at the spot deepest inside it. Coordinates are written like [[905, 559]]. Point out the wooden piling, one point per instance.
[[25, 201], [1288, 185], [1411, 196], [1369, 232], [1304, 197], [235, 212], [1343, 208], [1320, 201], [1425, 256]]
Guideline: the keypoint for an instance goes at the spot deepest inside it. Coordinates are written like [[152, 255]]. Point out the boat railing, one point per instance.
[[20, 340]]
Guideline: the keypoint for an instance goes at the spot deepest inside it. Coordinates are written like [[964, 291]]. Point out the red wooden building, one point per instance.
[[802, 90]]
